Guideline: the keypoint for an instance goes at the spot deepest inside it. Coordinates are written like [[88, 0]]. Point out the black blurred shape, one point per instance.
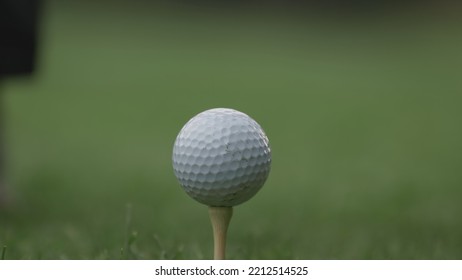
[[18, 36], [18, 47]]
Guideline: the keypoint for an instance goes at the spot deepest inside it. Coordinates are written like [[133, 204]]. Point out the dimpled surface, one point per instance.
[[221, 157]]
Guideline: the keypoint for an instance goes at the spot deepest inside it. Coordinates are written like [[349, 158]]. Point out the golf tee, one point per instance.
[[220, 218]]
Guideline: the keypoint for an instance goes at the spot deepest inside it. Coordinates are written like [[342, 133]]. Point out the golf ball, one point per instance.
[[221, 157]]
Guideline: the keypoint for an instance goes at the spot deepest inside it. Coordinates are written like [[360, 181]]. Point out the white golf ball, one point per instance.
[[221, 157]]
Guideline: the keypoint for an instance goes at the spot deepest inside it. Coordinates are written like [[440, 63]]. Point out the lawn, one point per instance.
[[363, 116]]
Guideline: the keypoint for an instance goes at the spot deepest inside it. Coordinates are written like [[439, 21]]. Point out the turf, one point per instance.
[[364, 121]]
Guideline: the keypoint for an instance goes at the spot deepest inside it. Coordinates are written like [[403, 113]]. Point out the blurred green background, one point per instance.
[[363, 114]]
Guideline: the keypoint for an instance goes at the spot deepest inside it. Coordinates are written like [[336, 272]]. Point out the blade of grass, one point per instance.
[[128, 222], [3, 252]]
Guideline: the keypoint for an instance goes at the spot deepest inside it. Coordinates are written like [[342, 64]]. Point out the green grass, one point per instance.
[[364, 121]]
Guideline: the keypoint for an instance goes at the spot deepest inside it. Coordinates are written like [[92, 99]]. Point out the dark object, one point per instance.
[[18, 47], [18, 36]]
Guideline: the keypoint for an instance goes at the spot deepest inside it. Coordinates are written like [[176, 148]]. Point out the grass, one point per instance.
[[363, 120]]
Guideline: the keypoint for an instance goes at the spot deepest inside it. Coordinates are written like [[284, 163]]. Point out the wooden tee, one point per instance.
[[220, 218]]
